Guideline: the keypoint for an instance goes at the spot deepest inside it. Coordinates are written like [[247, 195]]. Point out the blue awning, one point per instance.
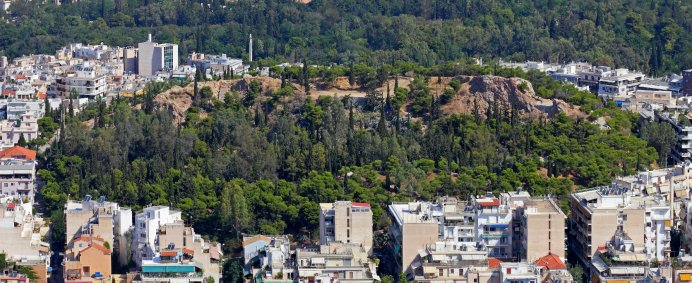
[[497, 225], [168, 268]]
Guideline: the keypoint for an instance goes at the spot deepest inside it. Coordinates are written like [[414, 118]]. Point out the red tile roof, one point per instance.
[[20, 77], [9, 92], [89, 239], [18, 152], [10, 205], [361, 204], [169, 253], [550, 262], [98, 247], [488, 202], [188, 251], [493, 262], [41, 95]]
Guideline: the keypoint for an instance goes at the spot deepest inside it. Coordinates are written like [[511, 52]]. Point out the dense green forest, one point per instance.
[[650, 35], [251, 163]]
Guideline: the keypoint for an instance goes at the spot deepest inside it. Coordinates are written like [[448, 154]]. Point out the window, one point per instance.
[[350, 275], [348, 233], [348, 212], [549, 222], [451, 271], [348, 222], [549, 235], [441, 272]]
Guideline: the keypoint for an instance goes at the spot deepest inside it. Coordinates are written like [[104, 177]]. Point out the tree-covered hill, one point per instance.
[[650, 35]]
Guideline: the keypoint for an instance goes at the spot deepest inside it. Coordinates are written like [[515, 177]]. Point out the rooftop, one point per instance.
[[550, 262], [18, 152], [541, 206]]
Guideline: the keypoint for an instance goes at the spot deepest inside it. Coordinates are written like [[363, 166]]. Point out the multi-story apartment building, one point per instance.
[[145, 233], [618, 82], [84, 80], [494, 226], [12, 131], [598, 214], [542, 230], [21, 236], [217, 64], [414, 226], [169, 251], [154, 57], [346, 222], [686, 85], [87, 220], [15, 109], [683, 148], [450, 262], [268, 257], [336, 263], [17, 178], [87, 257], [488, 226]]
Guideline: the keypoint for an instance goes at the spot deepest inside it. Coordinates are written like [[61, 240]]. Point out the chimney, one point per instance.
[[149, 38]]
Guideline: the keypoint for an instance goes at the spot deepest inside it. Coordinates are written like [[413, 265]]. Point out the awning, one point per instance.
[[423, 253], [317, 260], [498, 225], [429, 270], [681, 193], [415, 264], [650, 190], [632, 257], [214, 253]]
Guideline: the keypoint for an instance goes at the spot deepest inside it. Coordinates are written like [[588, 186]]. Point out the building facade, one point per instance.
[[346, 222], [155, 57]]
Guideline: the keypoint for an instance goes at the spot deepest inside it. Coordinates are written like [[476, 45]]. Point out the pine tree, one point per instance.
[[195, 92], [382, 124], [22, 141], [306, 78], [46, 105]]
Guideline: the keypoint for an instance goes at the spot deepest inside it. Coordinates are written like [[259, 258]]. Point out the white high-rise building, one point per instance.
[[147, 224], [155, 57]]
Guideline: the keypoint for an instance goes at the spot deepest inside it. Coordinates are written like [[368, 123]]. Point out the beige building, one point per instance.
[[543, 229], [336, 262], [86, 258], [413, 228], [598, 214], [99, 219], [346, 222]]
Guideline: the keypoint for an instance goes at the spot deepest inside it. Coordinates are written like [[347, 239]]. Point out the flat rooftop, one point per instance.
[[540, 206], [414, 212]]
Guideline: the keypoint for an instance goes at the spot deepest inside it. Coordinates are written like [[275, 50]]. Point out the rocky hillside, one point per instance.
[[485, 91], [475, 92], [180, 99]]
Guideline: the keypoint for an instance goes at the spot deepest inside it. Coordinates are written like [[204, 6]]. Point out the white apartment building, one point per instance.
[[11, 131], [83, 80], [17, 178], [147, 224], [168, 251], [493, 226], [155, 57], [15, 109], [618, 82]]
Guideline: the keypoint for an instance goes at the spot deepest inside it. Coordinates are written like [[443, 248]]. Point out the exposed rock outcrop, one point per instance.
[[489, 92]]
